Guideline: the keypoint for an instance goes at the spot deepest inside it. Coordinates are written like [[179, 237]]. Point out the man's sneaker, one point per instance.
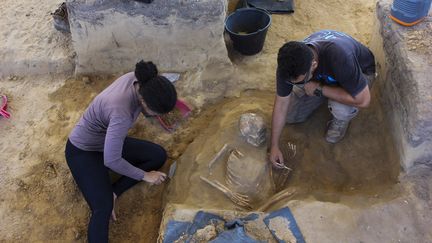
[[336, 130]]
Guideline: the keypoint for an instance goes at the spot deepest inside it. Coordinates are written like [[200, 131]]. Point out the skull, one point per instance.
[[253, 128]]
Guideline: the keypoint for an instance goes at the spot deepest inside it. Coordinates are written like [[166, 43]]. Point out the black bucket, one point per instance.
[[247, 28]]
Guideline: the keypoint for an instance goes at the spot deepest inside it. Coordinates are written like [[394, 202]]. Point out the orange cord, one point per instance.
[[404, 23]]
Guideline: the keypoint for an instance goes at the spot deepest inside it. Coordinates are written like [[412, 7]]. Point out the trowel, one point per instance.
[[172, 77], [172, 169]]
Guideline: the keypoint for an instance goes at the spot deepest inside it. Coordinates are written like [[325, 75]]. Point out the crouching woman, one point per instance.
[[99, 143]]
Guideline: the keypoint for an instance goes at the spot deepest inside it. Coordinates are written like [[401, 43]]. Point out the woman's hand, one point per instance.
[[154, 177]]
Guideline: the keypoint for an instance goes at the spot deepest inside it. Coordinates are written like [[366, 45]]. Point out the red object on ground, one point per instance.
[[3, 107], [185, 112]]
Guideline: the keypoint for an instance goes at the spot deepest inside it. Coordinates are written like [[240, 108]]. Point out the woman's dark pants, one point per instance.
[[92, 178]]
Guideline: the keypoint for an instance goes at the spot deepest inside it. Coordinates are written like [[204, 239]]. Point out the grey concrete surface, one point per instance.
[[402, 214]]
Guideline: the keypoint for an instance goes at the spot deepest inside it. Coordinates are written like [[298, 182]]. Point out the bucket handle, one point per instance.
[[265, 11], [244, 4]]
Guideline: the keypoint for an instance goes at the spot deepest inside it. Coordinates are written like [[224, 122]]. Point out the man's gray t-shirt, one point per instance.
[[105, 124], [342, 61]]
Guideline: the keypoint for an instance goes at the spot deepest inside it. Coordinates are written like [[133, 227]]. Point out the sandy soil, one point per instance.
[[29, 43], [38, 198]]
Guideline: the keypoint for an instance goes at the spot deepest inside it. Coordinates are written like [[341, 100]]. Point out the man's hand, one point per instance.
[[278, 121], [310, 87], [154, 177], [276, 157]]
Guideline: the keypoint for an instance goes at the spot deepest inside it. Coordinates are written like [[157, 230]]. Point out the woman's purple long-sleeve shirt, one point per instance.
[[105, 124]]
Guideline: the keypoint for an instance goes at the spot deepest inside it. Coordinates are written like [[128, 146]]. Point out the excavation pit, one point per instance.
[[355, 191]]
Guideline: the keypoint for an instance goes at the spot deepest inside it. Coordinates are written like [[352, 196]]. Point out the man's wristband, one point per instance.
[[319, 90]]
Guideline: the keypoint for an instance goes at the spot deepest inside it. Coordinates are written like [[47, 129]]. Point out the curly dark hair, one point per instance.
[[158, 92], [294, 59]]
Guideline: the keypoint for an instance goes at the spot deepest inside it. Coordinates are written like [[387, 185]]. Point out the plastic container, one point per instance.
[[247, 28], [3, 107], [170, 126], [409, 12]]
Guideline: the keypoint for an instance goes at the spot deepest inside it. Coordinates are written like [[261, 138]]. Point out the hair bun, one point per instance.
[[159, 94], [144, 71]]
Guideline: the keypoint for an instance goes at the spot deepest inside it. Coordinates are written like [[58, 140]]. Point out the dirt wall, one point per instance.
[[110, 37], [404, 58]]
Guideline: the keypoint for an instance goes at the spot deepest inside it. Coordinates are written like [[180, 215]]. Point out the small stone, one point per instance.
[[86, 80], [175, 154], [76, 233], [206, 234], [13, 78], [415, 138]]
